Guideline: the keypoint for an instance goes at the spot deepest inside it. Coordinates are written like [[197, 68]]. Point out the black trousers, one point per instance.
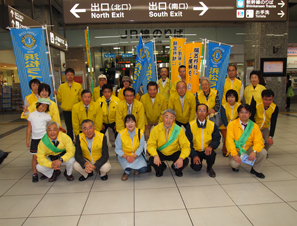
[[182, 124], [172, 157], [210, 160], [68, 122], [112, 125]]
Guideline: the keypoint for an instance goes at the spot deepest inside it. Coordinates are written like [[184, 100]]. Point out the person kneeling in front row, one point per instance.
[[244, 136], [204, 137], [129, 148], [168, 141], [91, 152], [55, 149]]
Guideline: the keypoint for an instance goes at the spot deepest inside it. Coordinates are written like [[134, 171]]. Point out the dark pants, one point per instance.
[[68, 122], [181, 124], [112, 125], [172, 157], [210, 159], [141, 170], [288, 102]]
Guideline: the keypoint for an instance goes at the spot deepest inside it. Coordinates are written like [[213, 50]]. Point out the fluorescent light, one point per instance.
[[239, 33], [107, 36], [107, 44], [167, 47], [116, 47]]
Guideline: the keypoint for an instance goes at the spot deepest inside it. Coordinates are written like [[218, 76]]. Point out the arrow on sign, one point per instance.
[[74, 11], [282, 3], [204, 8], [11, 11], [281, 14], [12, 22]]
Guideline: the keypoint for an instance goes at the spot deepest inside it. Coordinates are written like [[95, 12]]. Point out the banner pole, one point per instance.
[[88, 50], [156, 65], [50, 62], [169, 64], [205, 57]]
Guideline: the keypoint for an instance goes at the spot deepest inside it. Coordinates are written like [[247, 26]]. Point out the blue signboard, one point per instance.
[[109, 55], [125, 55], [31, 58]]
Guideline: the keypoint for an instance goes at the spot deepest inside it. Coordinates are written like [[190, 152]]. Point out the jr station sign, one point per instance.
[[125, 11]]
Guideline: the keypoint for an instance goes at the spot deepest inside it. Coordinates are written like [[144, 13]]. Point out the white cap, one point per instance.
[[102, 76]]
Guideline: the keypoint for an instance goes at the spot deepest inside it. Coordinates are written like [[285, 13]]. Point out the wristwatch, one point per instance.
[[61, 159], [255, 151]]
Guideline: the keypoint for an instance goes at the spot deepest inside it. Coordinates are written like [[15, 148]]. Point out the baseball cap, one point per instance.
[[102, 76]]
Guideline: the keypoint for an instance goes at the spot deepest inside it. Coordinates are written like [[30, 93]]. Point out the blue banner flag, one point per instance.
[[218, 57], [151, 66], [141, 65], [31, 58]]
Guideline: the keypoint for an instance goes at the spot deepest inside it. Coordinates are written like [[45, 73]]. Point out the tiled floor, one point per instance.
[[195, 199]]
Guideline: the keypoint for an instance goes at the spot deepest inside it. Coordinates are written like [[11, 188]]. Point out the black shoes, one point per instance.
[[82, 178], [104, 177], [43, 177], [4, 157], [211, 173], [177, 173], [259, 175], [35, 178], [160, 174], [235, 170]]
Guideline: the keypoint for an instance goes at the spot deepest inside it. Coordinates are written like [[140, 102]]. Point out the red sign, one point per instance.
[[78, 79]]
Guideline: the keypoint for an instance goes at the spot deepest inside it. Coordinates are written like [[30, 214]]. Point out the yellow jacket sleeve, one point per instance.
[[230, 145], [184, 145], [193, 109], [163, 108], [75, 119], [258, 139], [142, 118], [55, 113], [69, 147], [119, 117], [41, 156], [99, 118], [59, 95], [152, 143]]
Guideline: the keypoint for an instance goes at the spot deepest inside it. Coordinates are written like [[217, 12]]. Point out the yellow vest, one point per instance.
[[109, 113], [79, 114], [262, 117], [96, 152], [201, 137], [188, 112], [236, 85], [164, 91], [250, 92], [69, 96], [129, 147], [154, 112], [31, 99], [230, 114], [211, 103]]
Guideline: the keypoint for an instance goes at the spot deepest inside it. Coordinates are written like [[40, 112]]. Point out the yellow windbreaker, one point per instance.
[[69, 95], [97, 93], [158, 139], [65, 142], [250, 92], [109, 113], [137, 111], [188, 112], [53, 112], [211, 103], [122, 97], [234, 131], [153, 112], [79, 114], [31, 98]]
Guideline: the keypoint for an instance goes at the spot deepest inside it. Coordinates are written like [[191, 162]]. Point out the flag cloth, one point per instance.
[[141, 66], [151, 66], [218, 57], [177, 57], [193, 64], [31, 58]]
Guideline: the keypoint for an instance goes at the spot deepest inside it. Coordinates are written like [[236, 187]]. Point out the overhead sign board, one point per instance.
[[123, 11], [15, 19], [109, 55]]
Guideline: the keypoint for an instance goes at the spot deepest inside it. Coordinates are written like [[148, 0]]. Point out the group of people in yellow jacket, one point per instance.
[[110, 111]]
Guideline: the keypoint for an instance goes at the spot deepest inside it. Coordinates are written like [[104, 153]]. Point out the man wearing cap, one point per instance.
[[127, 82], [86, 109], [130, 106], [91, 152], [163, 83], [168, 142], [102, 79], [55, 149], [184, 104], [69, 94]]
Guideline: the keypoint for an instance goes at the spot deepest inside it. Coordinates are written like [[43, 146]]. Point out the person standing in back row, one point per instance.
[[69, 94]]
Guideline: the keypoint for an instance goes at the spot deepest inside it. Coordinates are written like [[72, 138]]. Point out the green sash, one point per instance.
[[45, 139], [172, 138], [244, 136]]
